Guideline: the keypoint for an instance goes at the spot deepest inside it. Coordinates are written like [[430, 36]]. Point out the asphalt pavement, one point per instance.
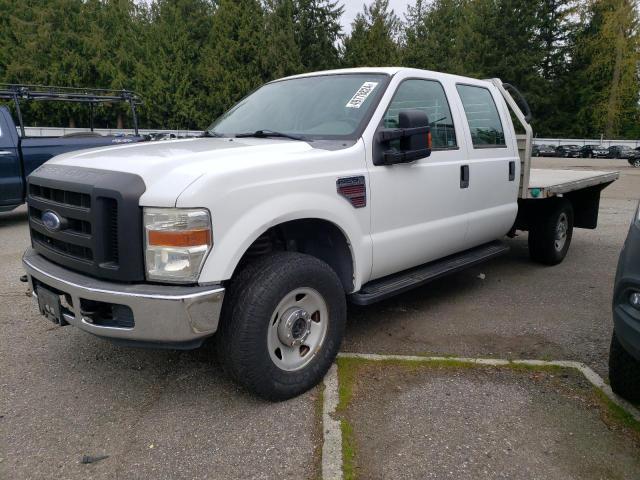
[[66, 395]]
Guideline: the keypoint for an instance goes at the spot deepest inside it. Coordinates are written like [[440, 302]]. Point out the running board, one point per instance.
[[386, 287]]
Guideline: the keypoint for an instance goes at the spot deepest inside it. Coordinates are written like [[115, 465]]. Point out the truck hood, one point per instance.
[[168, 167]]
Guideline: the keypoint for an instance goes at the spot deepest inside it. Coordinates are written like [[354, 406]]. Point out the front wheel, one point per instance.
[[551, 233], [635, 162], [624, 371], [282, 324]]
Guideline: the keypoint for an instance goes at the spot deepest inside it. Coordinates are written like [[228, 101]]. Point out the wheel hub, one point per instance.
[[561, 232], [294, 327]]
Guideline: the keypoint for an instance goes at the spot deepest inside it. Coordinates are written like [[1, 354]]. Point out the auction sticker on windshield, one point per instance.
[[361, 95]]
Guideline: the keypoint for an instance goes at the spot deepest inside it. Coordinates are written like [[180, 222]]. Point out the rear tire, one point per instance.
[[282, 297], [551, 233], [624, 372]]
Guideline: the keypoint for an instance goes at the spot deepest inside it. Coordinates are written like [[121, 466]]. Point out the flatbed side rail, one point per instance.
[[524, 141]]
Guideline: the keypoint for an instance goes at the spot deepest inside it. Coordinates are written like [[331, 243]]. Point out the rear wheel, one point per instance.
[[282, 324], [624, 371], [551, 233]]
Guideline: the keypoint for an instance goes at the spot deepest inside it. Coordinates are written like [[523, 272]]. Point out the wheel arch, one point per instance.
[[334, 235]]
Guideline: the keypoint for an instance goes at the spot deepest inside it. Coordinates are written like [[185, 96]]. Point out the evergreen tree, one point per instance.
[[374, 37], [607, 59], [435, 35], [233, 57], [167, 72], [282, 54], [50, 41], [114, 51], [317, 33], [555, 102]]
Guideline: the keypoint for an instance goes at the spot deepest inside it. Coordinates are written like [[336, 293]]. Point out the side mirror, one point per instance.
[[411, 140]]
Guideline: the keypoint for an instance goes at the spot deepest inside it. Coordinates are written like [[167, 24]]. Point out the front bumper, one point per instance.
[[161, 315], [626, 318]]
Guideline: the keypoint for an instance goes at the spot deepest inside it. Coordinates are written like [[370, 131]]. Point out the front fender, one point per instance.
[[232, 240]]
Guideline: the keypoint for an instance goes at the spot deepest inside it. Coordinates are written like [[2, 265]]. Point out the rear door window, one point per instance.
[[482, 115]]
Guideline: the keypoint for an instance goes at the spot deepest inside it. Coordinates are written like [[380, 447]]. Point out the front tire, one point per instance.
[[635, 163], [624, 372], [551, 233], [282, 324]]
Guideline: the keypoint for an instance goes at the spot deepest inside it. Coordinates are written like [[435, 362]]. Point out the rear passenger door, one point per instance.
[[418, 209], [494, 165]]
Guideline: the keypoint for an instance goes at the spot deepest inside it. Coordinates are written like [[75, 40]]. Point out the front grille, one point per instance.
[[65, 248], [99, 212], [61, 197], [76, 226]]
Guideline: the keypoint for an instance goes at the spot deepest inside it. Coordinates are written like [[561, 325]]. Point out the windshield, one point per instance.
[[324, 106]]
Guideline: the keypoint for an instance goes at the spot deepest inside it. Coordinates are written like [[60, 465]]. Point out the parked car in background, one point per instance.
[[600, 152], [586, 151], [568, 151], [545, 151], [623, 152], [624, 357]]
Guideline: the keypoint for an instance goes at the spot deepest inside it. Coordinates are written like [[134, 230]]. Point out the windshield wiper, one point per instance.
[[270, 133], [209, 133]]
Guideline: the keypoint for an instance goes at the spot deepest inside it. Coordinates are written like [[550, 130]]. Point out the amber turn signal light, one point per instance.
[[179, 238]]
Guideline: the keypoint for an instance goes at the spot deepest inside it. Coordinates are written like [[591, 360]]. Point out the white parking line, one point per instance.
[[332, 441]]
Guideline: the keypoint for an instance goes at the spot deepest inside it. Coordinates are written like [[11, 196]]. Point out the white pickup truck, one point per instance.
[[313, 190]]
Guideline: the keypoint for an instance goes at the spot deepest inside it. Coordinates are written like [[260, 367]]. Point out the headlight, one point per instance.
[[177, 243]]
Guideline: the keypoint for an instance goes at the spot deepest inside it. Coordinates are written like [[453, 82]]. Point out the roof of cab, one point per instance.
[[385, 70]]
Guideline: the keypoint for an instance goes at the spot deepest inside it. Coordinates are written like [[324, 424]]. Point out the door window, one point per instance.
[[482, 115], [428, 96]]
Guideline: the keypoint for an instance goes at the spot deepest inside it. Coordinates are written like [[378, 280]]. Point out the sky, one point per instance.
[[352, 7]]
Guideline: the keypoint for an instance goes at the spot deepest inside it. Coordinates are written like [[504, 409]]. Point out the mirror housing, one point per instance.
[[414, 134]]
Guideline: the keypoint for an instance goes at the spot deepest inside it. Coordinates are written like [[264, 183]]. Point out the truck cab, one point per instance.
[[318, 189]]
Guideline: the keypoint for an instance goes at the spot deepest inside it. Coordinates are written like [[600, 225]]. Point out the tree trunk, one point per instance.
[[72, 122], [120, 121], [613, 107]]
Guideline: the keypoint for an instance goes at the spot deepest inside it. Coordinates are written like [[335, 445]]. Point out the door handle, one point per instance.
[[512, 170], [5, 152], [464, 176]]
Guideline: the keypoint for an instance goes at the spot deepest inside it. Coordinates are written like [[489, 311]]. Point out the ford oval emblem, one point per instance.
[[51, 221]]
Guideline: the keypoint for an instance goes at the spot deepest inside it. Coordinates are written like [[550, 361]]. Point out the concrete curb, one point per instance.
[[332, 446], [332, 433]]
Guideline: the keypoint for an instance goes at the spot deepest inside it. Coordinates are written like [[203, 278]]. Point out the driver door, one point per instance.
[[419, 209]]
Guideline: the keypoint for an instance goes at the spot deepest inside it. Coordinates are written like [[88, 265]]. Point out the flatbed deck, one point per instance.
[[545, 183]]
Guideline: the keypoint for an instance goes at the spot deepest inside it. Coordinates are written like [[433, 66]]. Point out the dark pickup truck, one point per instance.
[[20, 155]]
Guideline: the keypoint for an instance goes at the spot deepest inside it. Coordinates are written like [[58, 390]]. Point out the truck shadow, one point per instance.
[[461, 284], [15, 217]]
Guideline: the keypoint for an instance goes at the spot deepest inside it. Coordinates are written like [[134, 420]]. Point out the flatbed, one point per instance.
[[538, 184], [546, 183]]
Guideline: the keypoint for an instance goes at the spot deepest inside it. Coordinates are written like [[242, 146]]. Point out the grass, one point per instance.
[[348, 451], [523, 367], [617, 413]]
